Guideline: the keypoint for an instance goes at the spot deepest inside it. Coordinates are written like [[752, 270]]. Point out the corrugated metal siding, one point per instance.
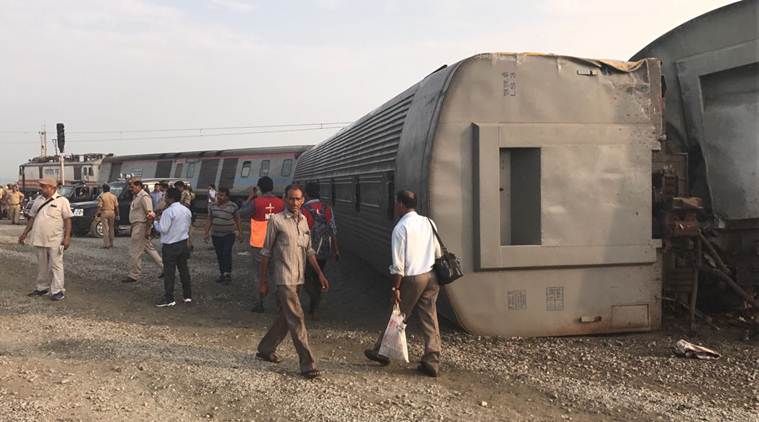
[[369, 145]]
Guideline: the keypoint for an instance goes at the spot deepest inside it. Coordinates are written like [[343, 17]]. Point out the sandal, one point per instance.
[[314, 373]]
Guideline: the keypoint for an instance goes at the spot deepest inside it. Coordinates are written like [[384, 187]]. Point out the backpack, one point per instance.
[[322, 229]]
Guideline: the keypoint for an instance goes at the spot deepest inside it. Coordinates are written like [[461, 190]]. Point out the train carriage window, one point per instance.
[[390, 195], [264, 168], [342, 191], [325, 192], [287, 167], [520, 196], [178, 170], [190, 170], [246, 167]]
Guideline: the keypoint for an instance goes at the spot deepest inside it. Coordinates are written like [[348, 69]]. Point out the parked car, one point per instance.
[[86, 222]]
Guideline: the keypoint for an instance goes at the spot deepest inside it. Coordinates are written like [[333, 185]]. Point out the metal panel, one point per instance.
[[595, 204], [370, 144], [721, 142], [208, 170], [720, 92], [163, 169], [228, 172], [115, 171]]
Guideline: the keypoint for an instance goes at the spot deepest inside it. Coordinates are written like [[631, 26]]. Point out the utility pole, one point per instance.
[[43, 142], [61, 142]]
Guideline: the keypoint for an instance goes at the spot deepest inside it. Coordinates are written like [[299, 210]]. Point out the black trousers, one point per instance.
[[313, 287], [223, 246], [175, 256]]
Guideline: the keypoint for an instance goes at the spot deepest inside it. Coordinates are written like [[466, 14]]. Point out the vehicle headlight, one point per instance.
[[78, 212]]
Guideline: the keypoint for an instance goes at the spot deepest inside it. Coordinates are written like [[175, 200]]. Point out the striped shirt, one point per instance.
[[223, 218]]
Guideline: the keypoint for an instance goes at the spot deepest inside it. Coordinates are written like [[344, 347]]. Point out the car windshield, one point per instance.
[[67, 191], [117, 188]]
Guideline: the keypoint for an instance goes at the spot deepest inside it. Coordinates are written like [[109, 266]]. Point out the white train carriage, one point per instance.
[[236, 169]]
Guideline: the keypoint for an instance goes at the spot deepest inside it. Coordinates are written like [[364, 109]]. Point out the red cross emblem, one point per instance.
[[269, 210]]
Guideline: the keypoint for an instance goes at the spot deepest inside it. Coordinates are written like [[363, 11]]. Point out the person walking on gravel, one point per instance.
[[287, 246], [141, 217], [108, 211], [174, 227], [223, 227], [260, 208], [414, 249], [321, 222], [50, 226]]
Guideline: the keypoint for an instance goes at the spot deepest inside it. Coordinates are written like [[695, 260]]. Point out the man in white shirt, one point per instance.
[[414, 249], [174, 227], [50, 224]]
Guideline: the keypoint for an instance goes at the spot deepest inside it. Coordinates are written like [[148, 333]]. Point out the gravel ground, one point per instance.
[[106, 353]]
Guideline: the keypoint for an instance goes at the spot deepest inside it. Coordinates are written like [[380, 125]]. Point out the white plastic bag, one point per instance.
[[394, 344]]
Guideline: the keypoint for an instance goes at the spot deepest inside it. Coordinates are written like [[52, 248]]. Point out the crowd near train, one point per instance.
[[537, 168]]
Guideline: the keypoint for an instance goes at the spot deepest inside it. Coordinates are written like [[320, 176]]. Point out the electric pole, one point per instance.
[[43, 142]]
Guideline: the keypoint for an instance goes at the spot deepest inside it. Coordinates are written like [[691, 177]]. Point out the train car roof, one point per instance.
[[298, 149], [717, 22]]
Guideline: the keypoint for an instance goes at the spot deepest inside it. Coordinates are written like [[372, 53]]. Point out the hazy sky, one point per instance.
[[101, 65]]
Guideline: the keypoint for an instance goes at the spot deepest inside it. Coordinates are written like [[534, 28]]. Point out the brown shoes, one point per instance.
[[269, 358], [428, 370], [372, 355]]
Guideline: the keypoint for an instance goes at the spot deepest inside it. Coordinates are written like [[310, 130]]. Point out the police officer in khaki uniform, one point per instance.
[[15, 199], [50, 225], [141, 217], [2, 201], [108, 211]]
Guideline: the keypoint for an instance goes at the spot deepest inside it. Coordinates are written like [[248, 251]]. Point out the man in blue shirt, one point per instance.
[[174, 227]]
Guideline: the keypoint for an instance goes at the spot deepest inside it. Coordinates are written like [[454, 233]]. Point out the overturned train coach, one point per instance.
[[537, 170], [711, 69]]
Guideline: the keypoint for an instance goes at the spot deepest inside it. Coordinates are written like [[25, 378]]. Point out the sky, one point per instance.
[[123, 66]]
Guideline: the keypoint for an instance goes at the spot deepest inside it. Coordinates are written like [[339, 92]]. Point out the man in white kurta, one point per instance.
[[50, 226]]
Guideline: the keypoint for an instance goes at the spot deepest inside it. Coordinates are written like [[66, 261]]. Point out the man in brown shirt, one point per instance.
[[288, 247], [141, 217], [15, 199], [108, 211]]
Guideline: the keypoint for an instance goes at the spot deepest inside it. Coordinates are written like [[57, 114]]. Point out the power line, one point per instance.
[[200, 129], [201, 135]]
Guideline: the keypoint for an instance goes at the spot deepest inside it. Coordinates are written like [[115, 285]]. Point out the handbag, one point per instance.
[[448, 266]]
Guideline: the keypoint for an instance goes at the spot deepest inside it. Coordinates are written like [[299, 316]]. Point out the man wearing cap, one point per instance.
[[15, 199], [50, 226], [141, 217]]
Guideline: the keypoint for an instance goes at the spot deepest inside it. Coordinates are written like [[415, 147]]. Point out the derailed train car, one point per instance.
[[537, 170], [711, 68], [236, 169]]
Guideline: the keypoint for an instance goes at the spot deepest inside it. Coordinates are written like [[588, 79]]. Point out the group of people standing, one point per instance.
[[292, 238], [11, 200]]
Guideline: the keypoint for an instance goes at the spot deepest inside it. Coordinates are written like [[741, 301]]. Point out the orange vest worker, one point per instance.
[[264, 207]]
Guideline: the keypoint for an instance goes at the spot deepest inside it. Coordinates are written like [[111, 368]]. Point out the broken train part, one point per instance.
[[711, 110]]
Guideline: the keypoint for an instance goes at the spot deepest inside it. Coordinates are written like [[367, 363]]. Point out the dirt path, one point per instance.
[[107, 353]]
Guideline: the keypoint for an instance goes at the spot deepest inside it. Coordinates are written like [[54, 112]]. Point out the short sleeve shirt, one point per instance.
[[139, 208], [108, 202], [47, 230], [223, 218], [288, 243]]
